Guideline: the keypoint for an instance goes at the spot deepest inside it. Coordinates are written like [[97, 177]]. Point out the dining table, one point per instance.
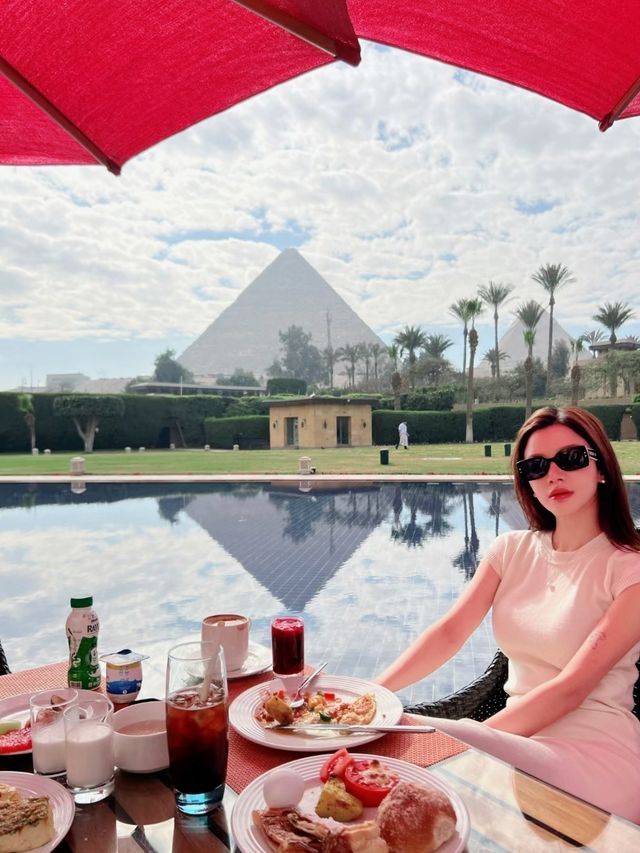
[[508, 810]]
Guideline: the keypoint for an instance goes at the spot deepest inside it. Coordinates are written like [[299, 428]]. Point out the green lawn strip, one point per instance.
[[436, 459]]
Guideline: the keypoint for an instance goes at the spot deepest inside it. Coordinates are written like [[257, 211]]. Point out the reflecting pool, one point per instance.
[[366, 565]]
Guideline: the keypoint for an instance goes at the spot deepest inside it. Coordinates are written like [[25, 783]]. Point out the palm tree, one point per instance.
[[436, 345], [490, 356], [393, 352], [613, 315], [529, 314], [434, 350], [552, 277], [410, 340], [495, 294], [365, 354], [25, 405], [377, 351], [460, 309], [476, 308], [329, 354], [350, 354], [593, 337], [577, 346]]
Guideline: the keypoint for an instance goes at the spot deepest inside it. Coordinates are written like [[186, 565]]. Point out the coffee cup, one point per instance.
[[230, 631]]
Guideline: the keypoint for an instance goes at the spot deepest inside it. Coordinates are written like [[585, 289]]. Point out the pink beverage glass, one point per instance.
[[287, 645]]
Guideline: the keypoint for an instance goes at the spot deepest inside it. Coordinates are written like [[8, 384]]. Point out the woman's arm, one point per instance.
[[440, 641], [616, 633]]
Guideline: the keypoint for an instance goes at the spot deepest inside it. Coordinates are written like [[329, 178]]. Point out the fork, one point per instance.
[[298, 699]]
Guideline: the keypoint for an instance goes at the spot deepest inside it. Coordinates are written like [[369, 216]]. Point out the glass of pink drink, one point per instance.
[[197, 725], [287, 645]]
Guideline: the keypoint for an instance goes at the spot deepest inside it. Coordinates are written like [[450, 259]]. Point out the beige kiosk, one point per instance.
[[320, 422]]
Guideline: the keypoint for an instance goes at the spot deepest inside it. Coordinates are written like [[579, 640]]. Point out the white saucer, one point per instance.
[[258, 660]]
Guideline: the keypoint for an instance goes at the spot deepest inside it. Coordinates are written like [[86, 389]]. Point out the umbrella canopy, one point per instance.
[[86, 81], [101, 81], [585, 55]]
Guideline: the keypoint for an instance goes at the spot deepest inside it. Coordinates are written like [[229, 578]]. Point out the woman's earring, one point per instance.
[[602, 480]]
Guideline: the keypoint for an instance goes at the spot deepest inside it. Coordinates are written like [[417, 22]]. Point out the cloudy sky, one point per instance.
[[404, 182]]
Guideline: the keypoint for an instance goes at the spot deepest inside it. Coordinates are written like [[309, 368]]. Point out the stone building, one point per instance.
[[320, 422]]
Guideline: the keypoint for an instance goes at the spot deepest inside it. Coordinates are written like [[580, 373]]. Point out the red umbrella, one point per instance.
[[584, 54], [86, 81]]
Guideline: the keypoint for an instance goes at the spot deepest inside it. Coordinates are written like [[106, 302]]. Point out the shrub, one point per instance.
[[611, 417], [286, 385], [439, 399], [424, 427], [248, 432]]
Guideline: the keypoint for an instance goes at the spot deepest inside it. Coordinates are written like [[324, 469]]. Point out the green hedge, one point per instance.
[[249, 433], [424, 427], [430, 399], [146, 422], [490, 423], [286, 385]]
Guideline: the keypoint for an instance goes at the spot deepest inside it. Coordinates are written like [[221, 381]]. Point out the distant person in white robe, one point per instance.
[[403, 436]]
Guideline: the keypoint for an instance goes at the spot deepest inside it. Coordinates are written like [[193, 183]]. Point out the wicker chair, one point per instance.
[[485, 696], [4, 666]]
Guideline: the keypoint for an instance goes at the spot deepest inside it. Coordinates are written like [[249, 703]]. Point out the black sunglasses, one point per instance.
[[568, 459]]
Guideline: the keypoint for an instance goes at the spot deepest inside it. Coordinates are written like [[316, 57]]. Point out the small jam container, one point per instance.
[[124, 675]]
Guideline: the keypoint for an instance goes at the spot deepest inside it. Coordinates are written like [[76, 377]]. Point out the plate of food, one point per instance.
[[15, 725], [35, 812], [294, 808], [259, 713]]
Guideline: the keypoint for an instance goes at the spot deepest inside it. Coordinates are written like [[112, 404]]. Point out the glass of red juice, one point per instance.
[[287, 645], [197, 725]]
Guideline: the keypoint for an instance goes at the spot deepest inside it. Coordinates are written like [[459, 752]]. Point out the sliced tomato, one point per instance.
[[335, 765], [15, 741], [369, 780]]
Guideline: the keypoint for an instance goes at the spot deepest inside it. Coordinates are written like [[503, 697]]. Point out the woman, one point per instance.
[[566, 611]]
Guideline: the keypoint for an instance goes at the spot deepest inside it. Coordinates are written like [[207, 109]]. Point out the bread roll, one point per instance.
[[416, 818]]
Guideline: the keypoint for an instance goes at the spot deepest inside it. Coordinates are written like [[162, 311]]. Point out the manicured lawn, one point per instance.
[[419, 459]]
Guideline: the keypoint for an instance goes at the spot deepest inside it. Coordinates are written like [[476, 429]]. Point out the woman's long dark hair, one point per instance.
[[614, 514]]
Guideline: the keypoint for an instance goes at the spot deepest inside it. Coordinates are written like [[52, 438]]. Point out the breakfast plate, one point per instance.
[[249, 837], [258, 660], [17, 708], [243, 710], [62, 804]]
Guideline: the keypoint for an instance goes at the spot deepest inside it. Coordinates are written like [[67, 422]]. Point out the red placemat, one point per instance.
[[32, 680], [248, 760]]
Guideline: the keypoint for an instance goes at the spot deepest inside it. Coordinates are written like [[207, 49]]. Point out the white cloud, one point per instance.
[[414, 172]]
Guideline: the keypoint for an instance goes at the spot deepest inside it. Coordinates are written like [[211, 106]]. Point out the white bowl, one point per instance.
[[141, 752]]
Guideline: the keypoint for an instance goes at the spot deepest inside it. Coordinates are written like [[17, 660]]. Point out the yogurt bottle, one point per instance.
[[124, 675], [82, 629]]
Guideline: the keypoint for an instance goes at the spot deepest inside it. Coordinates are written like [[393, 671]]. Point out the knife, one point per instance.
[[339, 728]]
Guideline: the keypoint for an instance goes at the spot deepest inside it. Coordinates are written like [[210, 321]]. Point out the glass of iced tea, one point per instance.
[[197, 727], [287, 646]]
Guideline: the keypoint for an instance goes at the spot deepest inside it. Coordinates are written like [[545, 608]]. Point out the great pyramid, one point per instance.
[[512, 342], [288, 292]]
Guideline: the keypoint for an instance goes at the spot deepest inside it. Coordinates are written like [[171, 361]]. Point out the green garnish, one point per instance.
[[326, 718]]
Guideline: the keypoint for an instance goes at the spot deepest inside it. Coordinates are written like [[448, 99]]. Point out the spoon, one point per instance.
[[298, 699]]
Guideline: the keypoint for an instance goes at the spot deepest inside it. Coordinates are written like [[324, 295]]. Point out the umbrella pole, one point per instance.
[[41, 101], [338, 49]]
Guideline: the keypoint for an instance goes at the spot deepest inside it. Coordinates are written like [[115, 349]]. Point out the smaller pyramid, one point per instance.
[[286, 293], [512, 342]]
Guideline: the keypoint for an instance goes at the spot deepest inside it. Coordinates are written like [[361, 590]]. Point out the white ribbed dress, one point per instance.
[[547, 604]]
